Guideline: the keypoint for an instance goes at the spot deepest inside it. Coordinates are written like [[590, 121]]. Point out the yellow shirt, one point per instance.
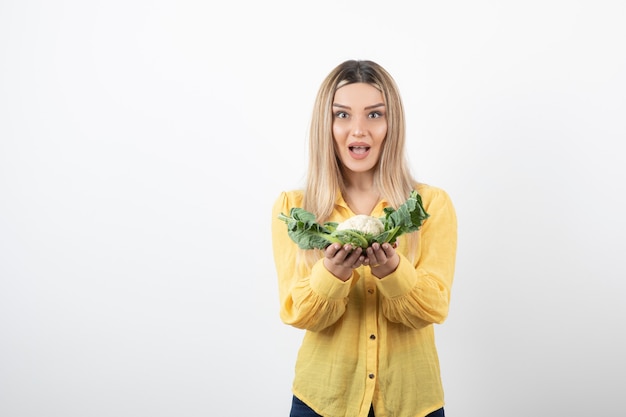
[[369, 340]]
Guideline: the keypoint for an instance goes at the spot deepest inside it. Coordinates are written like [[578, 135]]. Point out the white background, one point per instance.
[[142, 144]]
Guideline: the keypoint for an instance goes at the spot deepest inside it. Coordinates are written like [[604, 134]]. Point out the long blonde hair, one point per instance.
[[324, 179]]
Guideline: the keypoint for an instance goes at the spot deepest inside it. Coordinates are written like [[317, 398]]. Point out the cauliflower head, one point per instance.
[[363, 223]]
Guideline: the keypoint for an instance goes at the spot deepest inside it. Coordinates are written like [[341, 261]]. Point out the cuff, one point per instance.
[[399, 282], [326, 284]]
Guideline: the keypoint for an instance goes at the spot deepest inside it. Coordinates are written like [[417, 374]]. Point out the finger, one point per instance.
[[381, 254], [331, 251], [388, 249], [341, 254], [354, 255], [371, 256]]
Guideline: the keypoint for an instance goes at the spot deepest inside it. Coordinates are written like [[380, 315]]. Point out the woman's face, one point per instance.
[[359, 126]]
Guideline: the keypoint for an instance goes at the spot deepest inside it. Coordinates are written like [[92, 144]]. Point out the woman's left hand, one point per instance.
[[382, 259]]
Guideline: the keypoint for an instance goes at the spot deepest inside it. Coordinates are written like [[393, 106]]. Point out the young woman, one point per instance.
[[369, 344]]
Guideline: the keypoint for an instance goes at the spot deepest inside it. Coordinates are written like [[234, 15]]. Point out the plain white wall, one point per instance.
[[142, 144]]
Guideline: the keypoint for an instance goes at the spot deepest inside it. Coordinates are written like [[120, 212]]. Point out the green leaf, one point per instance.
[[305, 231], [408, 218], [308, 234]]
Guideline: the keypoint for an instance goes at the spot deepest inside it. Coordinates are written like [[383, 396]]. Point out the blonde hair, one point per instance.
[[324, 178], [392, 178]]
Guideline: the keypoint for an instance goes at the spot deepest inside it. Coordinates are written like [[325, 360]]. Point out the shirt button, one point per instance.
[[372, 336], [371, 376], [370, 290]]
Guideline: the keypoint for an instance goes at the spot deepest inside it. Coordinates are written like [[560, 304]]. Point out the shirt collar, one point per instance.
[[378, 210]]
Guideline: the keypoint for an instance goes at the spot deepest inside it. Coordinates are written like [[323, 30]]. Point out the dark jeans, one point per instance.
[[300, 409]]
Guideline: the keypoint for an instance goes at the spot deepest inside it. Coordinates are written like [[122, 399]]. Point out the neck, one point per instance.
[[361, 182]]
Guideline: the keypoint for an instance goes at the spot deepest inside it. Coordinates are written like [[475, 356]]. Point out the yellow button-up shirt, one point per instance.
[[369, 340]]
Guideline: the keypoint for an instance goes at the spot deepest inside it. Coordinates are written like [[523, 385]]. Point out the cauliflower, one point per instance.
[[360, 230], [364, 224]]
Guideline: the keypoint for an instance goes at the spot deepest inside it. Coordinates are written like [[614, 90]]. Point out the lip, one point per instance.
[[359, 150]]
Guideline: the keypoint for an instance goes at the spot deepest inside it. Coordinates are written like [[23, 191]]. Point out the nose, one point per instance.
[[358, 127]]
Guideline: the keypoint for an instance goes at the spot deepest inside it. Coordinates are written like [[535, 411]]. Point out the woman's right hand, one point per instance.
[[342, 260]]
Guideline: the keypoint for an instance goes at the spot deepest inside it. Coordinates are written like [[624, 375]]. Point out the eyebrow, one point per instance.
[[373, 106]]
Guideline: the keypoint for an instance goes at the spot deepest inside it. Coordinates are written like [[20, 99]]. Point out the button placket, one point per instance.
[[371, 326]]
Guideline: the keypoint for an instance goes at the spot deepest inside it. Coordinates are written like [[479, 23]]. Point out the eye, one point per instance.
[[375, 115], [341, 115]]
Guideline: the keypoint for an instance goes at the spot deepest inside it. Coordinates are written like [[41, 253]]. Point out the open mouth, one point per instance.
[[359, 150]]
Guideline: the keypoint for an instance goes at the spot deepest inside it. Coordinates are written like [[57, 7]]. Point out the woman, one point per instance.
[[369, 344]]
